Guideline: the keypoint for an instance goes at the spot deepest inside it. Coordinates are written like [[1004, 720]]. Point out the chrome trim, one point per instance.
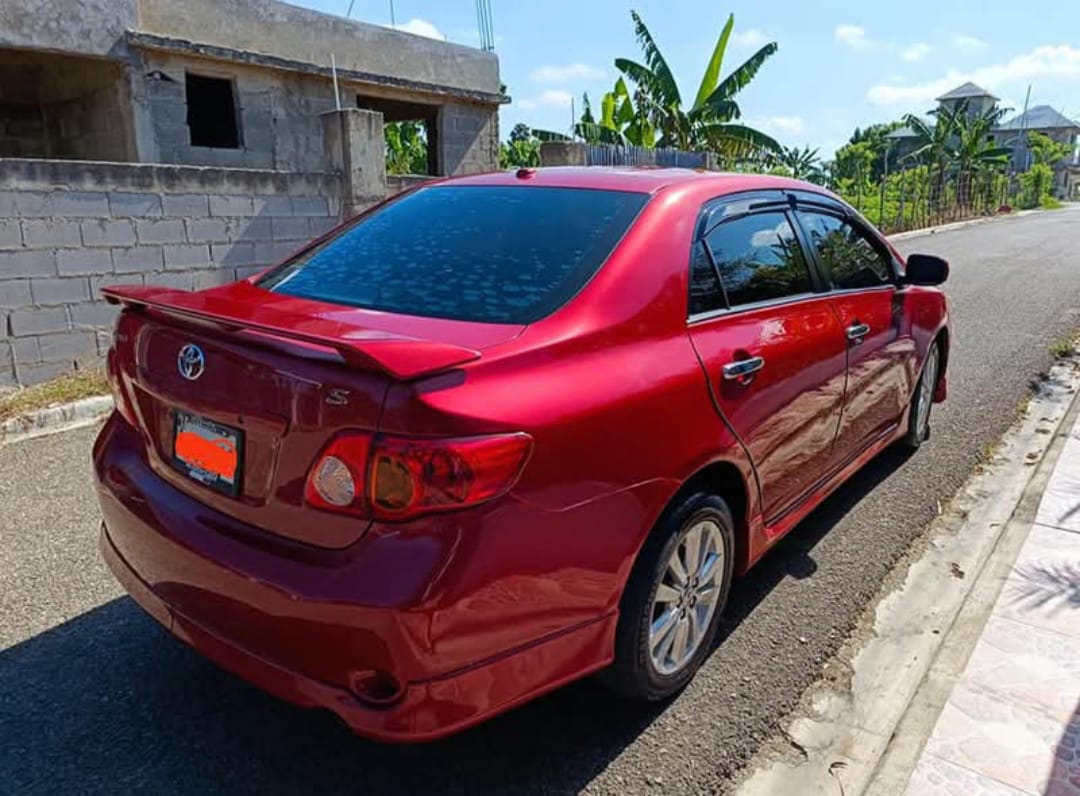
[[856, 332], [757, 305], [743, 367]]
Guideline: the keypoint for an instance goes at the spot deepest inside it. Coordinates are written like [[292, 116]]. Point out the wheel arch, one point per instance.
[[724, 479]]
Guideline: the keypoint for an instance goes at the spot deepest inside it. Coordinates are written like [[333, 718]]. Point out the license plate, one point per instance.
[[208, 452]]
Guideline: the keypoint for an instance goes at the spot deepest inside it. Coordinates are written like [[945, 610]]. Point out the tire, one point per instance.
[[923, 399], [642, 669]]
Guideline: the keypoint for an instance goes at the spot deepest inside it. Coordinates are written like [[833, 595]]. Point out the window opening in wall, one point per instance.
[[409, 129], [211, 112]]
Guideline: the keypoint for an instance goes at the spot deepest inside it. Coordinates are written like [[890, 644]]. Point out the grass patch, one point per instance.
[[83, 384], [1065, 346], [1050, 203]]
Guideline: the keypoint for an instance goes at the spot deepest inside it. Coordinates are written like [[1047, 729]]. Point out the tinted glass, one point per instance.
[[705, 291], [759, 258], [847, 257], [499, 254]]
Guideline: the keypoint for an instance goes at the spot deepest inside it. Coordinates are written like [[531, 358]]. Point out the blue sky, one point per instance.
[[841, 63]]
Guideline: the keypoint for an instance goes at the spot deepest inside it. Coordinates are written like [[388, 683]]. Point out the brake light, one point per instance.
[[397, 478]]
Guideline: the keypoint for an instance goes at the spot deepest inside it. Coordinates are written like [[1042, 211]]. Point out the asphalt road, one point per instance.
[[95, 697]]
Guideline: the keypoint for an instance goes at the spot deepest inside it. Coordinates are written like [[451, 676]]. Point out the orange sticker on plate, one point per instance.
[[215, 455]]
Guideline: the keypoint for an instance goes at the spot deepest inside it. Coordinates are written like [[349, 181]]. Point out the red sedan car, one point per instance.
[[504, 431]]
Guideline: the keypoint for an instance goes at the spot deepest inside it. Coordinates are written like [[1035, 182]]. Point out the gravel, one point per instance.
[[97, 698]]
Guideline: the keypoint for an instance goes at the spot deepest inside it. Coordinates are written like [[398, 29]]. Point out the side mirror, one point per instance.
[[926, 269]]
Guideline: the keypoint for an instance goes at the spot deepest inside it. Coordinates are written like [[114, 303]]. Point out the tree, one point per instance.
[[875, 140], [934, 144], [972, 151], [624, 119], [802, 164], [521, 150], [406, 148], [1037, 183], [521, 132], [1045, 149], [709, 123]]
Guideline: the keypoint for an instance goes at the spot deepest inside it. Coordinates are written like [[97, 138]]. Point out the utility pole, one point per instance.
[[1023, 165]]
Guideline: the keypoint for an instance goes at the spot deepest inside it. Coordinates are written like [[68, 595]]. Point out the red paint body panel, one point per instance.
[[470, 612]]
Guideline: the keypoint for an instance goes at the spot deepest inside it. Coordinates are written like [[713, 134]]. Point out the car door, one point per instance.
[[772, 348], [860, 273]]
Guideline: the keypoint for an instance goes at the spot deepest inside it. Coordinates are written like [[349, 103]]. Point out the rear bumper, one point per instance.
[[287, 624]]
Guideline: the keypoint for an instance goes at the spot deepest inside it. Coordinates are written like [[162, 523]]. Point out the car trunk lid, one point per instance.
[[278, 376]]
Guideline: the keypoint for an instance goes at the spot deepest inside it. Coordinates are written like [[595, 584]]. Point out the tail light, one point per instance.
[[397, 478], [112, 371]]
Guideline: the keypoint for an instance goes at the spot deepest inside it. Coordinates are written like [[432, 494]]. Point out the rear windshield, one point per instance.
[[497, 254]]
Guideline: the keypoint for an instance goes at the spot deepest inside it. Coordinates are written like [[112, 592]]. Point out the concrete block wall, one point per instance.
[[69, 228], [277, 114], [468, 138]]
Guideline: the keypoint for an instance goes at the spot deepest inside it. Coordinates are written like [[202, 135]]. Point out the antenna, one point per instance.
[[393, 22]]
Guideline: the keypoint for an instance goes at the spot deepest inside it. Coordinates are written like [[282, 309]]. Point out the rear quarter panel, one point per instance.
[[612, 393]]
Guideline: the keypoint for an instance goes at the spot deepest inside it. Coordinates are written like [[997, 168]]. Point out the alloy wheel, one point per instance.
[[926, 392], [686, 597]]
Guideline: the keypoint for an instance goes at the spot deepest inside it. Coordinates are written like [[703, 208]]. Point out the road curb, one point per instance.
[[55, 418], [967, 222], [858, 732]]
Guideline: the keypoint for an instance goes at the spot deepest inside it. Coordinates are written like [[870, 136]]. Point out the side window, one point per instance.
[[848, 259], [758, 258], [705, 291]]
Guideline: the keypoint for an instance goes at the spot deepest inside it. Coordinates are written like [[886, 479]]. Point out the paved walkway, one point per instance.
[[1011, 724]]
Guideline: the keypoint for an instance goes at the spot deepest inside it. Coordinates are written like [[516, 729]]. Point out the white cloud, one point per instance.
[[853, 36], [1060, 61], [551, 98], [564, 74], [963, 42], [748, 39], [915, 52], [777, 124], [421, 27]]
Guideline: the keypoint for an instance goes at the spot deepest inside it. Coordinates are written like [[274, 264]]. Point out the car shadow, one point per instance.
[[108, 701]]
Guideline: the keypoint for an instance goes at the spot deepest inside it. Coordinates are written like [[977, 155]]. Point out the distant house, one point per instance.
[[1042, 119]]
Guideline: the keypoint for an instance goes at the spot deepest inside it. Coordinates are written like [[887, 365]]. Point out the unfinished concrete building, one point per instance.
[[188, 143], [236, 83]]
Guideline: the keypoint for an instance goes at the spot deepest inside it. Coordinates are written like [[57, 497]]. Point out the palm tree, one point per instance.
[[973, 151], [934, 145], [708, 123], [802, 164]]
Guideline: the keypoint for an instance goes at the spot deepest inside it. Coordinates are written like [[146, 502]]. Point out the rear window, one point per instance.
[[496, 254]]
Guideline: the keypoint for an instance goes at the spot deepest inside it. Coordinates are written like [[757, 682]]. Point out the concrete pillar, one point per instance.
[[356, 149], [562, 153]]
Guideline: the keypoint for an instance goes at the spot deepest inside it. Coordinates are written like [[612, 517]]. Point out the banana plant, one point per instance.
[[709, 124]]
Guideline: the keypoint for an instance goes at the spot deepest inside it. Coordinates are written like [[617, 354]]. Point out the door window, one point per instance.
[[848, 259], [758, 258], [705, 291]]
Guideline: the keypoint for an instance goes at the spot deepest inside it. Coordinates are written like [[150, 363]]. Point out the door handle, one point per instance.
[[857, 331], [741, 368]]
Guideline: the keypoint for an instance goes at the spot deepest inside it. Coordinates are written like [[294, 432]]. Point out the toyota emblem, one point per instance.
[[191, 362]]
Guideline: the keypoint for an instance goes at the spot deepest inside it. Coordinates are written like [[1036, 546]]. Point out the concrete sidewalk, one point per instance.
[[1011, 722]]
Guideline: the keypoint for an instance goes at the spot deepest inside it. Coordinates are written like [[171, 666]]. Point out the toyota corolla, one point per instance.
[[504, 431]]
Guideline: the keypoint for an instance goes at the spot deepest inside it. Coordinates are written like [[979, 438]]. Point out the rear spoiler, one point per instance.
[[367, 349]]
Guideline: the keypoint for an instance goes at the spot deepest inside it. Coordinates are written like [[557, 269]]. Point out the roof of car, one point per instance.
[[640, 179]]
